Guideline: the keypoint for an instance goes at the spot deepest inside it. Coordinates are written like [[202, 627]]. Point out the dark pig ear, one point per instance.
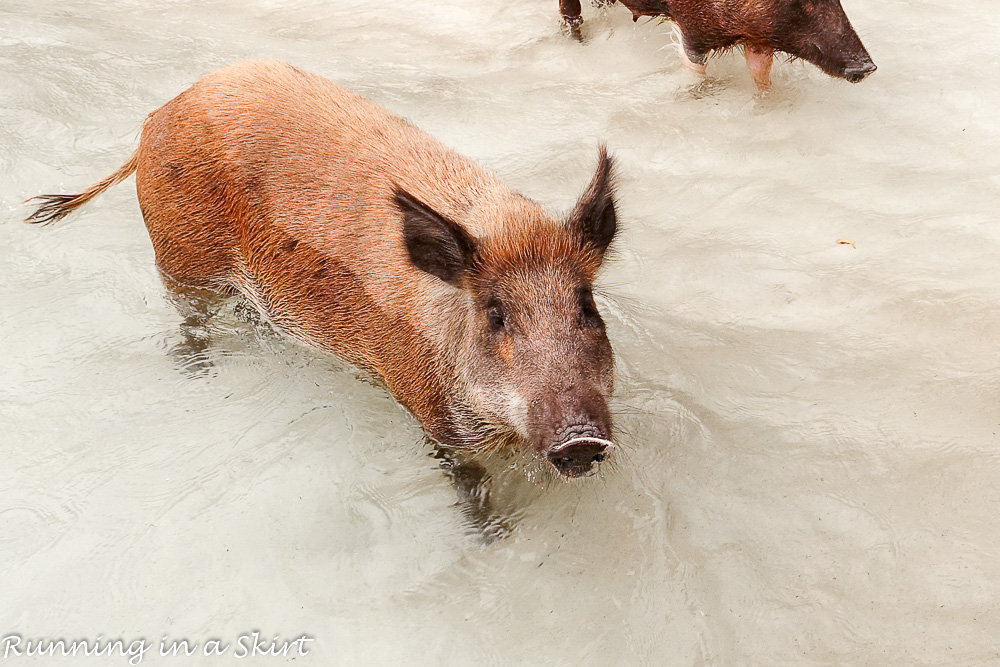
[[436, 244], [593, 218]]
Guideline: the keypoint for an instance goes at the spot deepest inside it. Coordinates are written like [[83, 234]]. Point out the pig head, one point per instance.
[[530, 350], [820, 32]]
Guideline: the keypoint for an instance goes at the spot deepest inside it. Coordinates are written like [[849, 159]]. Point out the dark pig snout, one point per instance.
[[827, 39], [575, 449], [572, 427], [858, 72], [576, 456]]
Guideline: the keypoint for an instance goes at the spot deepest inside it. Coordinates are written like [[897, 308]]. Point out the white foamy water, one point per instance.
[[809, 470]]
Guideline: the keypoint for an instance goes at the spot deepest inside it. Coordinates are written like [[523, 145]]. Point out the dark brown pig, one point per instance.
[[814, 30], [358, 234]]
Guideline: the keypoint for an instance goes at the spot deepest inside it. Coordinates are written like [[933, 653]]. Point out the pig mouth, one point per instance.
[[578, 451]]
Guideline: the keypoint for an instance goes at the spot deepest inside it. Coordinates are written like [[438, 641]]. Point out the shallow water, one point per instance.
[[810, 469]]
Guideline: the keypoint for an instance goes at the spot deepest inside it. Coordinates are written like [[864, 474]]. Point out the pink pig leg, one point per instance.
[[759, 61]]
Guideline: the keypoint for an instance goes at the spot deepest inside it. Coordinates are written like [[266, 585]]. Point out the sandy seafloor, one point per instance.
[[809, 469]]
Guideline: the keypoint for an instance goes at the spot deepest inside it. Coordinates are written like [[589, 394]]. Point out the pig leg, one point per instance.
[[471, 484], [693, 59], [759, 61], [570, 10], [197, 306]]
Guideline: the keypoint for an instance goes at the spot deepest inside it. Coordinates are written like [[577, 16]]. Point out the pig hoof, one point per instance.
[[572, 26], [695, 63], [694, 67]]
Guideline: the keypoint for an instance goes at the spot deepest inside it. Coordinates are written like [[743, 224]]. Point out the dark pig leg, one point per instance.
[[759, 61], [570, 10], [694, 58]]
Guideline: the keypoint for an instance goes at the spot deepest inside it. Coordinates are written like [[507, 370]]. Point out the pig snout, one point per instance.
[[838, 50], [582, 440], [576, 455], [857, 72], [847, 59], [852, 65]]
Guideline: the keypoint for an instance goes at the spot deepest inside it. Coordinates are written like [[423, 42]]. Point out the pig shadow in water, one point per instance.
[[200, 309], [472, 484], [197, 307], [493, 484]]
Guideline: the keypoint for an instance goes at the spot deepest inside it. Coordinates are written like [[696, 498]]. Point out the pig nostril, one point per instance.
[[578, 456], [859, 72]]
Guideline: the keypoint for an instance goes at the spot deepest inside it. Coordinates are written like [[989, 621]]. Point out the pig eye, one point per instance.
[[588, 316], [495, 315]]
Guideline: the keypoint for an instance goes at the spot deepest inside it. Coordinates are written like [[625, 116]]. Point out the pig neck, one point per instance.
[[428, 378], [449, 333]]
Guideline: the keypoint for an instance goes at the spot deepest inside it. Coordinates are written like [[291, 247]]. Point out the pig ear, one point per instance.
[[436, 244], [593, 218]]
